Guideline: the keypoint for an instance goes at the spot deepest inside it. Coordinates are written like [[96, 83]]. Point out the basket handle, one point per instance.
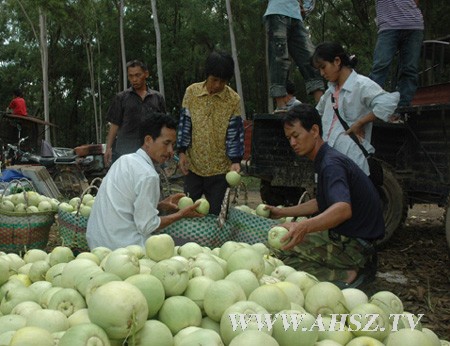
[[18, 182], [86, 190], [302, 198], [227, 202], [27, 216], [95, 180]]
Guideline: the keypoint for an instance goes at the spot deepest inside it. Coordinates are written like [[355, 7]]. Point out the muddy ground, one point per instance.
[[415, 265]]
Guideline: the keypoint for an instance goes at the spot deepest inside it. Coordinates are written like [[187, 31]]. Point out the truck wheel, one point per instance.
[[279, 195], [393, 202]]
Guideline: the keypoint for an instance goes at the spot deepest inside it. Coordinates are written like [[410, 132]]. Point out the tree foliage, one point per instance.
[[189, 31]]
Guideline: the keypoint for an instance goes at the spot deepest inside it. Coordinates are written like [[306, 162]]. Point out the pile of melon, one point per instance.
[[187, 295]]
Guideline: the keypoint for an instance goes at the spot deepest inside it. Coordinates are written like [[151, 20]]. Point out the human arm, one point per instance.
[[162, 104], [235, 142], [184, 139], [146, 214], [333, 216], [112, 133], [306, 7], [377, 100], [235, 167], [302, 10], [188, 212], [114, 118], [303, 209], [184, 135], [358, 126], [333, 200], [322, 102], [170, 203]]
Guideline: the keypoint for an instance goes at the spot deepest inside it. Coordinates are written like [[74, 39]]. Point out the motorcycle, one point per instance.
[[65, 167]]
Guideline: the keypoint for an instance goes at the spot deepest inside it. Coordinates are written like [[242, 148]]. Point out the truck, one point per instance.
[[414, 153]]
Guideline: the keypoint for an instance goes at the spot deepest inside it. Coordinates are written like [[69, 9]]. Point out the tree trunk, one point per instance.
[[122, 44], [44, 62], [237, 71], [99, 88], [158, 48], [90, 62]]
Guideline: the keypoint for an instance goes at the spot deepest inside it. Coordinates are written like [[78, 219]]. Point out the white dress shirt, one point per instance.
[[358, 97], [125, 209]]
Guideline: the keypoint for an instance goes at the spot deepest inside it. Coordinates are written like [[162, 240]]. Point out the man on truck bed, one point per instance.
[[400, 29], [335, 244], [288, 36]]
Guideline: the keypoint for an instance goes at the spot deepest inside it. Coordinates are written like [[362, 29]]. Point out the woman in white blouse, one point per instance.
[[359, 101]]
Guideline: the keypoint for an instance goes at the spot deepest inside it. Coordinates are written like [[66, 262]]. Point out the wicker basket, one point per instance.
[[72, 227], [20, 232], [72, 230], [249, 228], [211, 231], [204, 231]]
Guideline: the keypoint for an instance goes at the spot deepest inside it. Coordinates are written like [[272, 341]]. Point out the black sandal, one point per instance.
[[365, 275]]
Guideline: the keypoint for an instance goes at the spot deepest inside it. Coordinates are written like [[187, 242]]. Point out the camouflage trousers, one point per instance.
[[327, 258]]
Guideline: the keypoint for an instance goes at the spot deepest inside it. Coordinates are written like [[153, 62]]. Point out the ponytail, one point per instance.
[[329, 51]]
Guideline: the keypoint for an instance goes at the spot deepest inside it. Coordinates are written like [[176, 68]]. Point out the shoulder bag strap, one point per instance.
[[346, 127]]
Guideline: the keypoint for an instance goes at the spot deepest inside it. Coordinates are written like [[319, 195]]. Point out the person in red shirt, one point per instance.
[[18, 105]]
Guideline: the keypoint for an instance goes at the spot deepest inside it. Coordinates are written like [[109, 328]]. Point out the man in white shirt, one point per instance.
[[126, 208]]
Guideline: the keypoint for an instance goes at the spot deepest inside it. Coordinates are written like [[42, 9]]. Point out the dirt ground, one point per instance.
[[415, 265]]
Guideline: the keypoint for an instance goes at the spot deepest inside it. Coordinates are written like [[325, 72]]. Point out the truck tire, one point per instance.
[[279, 195], [393, 202], [447, 221]]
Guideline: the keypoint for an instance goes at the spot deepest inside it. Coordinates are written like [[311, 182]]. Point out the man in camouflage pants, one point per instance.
[[335, 244]]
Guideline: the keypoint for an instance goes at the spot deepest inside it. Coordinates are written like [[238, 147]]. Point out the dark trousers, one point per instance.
[[212, 187]]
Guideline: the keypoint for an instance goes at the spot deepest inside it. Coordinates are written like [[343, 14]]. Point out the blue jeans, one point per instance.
[[288, 36], [408, 43]]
